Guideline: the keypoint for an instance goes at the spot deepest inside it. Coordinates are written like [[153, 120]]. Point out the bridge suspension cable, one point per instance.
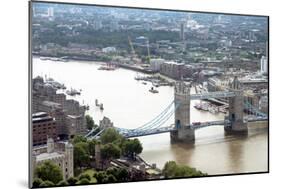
[[154, 120], [92, 131], [96, 135], [153, 126]]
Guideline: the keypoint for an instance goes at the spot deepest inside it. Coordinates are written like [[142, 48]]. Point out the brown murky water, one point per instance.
[[129, 104]]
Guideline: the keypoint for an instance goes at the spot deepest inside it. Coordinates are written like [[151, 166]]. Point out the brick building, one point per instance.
[[43, 125]]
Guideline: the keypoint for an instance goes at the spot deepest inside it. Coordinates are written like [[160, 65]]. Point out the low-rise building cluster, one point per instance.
[[67, 116]]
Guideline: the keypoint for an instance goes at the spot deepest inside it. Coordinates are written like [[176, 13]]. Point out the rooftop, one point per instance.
[[39, 114], [42, 119], [74, 116], [48, 156], [51, 104], [175, 63]]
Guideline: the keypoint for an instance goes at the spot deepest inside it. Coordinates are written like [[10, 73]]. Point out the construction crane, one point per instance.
[[148, 53], [131, 45]]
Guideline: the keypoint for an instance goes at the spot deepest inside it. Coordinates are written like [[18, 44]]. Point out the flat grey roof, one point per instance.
[[48, 156]]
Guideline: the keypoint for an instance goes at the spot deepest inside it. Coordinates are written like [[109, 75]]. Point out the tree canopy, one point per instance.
[[81, 154], [63, 183], [173, 170], [48, 171], [109, 151], [72, 180], [83, 181], [37, 182], [78, 138], [132, 147], [47, 183], [85, 175], [121, 174], [90, 122], [110, 135], [91, 147]]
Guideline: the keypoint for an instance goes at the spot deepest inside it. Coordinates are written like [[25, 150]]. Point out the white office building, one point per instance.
[[109, 49], [50, 12], [264, 63], [155, 64]]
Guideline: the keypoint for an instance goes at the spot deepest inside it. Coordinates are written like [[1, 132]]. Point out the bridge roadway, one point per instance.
[[218, 94], [256, 119], [137, 133], [193, 126]]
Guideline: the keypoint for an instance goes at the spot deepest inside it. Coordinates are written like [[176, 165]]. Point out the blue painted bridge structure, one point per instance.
[[182, 129]]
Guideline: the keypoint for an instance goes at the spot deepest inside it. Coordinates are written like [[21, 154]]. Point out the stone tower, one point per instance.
[[236, 109], [69, 160], [32, 167], [182, 114], [98, 156], [50, 145]]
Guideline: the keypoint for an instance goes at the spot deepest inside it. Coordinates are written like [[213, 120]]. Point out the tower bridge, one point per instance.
[[184, 131]]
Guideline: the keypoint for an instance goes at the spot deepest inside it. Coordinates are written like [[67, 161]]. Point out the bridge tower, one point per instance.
[[183, 132], [235, 119]]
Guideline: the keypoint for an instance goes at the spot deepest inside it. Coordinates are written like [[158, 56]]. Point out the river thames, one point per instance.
[[129, 104]]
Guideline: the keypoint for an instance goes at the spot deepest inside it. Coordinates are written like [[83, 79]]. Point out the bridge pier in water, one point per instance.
[[235, 118], [183, 132], [234, 122]]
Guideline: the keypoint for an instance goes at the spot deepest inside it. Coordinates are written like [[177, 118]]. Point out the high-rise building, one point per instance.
[[266, 49], [114, 26], [34, 11], [264, 63], [182, 34], [50, 12], [252, 36], [172, 69], [97, 24], [155, 64]]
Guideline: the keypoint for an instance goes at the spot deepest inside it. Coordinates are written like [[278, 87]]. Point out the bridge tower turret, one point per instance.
[[183, 132], [235, 119]]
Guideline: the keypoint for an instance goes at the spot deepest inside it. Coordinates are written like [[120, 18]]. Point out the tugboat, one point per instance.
[[101, 107], [152, 90]]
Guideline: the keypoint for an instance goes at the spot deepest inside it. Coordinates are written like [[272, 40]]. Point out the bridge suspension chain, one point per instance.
[[91, 132], [154, 120], [153, 126]]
